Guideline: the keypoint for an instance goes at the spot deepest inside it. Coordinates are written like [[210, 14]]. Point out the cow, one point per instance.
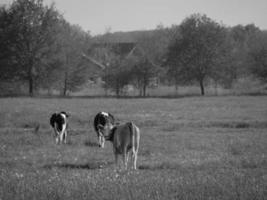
[[103, 121], [59, 122], [125, 139]]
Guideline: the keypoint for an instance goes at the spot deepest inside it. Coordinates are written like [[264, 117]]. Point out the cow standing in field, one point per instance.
[[125, 139], [59, 122], [103, 122]]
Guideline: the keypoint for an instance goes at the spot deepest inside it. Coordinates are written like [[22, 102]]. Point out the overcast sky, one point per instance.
[[97, 16]]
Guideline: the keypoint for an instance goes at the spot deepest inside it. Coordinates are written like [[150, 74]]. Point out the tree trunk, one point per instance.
[[140, 87], [30, 80], [117, 89], [140, 91], [117, 92], [176, 86], [31, 85], [65, 87], [144, 86], [216, 87], [144, 90], [202, 87]]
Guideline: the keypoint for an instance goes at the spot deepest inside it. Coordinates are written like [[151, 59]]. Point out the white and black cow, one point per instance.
[[59, 122], [103, 123], [125, 139]]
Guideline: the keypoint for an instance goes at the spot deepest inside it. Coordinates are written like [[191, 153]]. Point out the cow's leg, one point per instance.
[[132, 159], [56, 135], [60, 137], [57, 139], [101, 140], [125, 158], [116, 159], [65, 137], [134, 156]]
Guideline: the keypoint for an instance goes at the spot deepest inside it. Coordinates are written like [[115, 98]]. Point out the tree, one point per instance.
[[148, 57], [73, 41], [142, 71], [196, 50], [5, 71], [258, 56], [27, 34], [242, 39], [117, 74]]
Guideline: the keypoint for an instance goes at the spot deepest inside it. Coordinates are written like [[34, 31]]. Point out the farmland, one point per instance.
[[190, 148]]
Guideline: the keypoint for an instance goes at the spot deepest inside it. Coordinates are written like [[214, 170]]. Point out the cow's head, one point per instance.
[[103, 133]]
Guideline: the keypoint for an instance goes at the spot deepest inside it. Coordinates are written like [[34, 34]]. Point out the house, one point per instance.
[[100, 54]]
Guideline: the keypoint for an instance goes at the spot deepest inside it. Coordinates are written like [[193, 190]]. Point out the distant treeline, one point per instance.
[[41, 51]]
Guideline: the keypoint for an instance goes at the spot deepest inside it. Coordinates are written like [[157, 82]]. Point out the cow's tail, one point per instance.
[[56, 128]]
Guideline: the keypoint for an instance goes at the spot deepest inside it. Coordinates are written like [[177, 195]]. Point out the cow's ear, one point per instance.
[[100, 126]]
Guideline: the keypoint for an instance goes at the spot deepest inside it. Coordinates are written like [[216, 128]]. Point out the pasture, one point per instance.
[[190, 148]]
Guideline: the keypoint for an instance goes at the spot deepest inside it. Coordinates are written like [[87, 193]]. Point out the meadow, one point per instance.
[[190, 148]]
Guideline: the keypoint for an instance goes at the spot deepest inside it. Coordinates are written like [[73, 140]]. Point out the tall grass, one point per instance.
[[191, 148]]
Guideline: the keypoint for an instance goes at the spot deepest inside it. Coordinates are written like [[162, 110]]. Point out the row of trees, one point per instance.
[[206, 51], [198, 51], [40, 48]]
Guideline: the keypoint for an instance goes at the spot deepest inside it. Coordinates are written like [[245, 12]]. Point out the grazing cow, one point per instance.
[[59, 121], [125, 139], [103, 122]]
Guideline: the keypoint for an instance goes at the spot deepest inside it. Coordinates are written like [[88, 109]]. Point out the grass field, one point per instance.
[[190, 148]]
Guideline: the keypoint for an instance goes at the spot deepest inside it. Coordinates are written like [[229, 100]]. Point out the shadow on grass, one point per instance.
[[160, 166], [90, 144], [211, 165], [217, 124], [88, 166]]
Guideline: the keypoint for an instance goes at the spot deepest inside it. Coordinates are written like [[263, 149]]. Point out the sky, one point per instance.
[[98, 16]]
